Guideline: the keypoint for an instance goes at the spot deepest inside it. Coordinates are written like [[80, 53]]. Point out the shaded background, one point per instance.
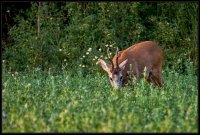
[[75, 34]]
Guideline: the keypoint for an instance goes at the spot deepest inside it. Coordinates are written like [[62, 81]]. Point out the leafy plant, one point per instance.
[[35, 101], [53, 34]]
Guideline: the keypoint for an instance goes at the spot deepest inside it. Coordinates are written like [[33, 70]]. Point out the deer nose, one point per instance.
[[117, 86], [121, 78]]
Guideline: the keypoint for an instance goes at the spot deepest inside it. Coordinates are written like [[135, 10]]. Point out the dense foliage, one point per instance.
[[51, 82], [52, 35], [38, 102]]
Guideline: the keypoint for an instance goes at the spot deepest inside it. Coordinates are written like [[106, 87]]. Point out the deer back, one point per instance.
[[145, 54]]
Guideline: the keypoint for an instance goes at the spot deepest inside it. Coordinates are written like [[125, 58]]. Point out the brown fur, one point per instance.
[[146, 53]]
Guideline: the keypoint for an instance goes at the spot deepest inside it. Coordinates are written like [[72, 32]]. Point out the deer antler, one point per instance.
[[110, 59], [117, 58]]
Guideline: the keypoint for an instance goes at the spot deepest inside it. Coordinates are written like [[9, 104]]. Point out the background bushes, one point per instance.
[[75, 34]]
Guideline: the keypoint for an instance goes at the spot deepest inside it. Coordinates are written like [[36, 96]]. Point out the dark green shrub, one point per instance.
[[76, 34]]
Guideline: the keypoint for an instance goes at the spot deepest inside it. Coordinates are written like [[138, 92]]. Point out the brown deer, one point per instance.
[[135, 58]]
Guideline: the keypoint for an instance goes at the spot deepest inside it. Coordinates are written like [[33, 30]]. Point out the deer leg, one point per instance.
[[156, 75], [150, 78]]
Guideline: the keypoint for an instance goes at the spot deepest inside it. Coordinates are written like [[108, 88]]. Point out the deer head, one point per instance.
[[115, 73]]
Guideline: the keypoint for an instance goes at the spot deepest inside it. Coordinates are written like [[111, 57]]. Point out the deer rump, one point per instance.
[[145, 54]]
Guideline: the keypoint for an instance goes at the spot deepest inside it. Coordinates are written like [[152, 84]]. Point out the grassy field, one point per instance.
[[35, 101]]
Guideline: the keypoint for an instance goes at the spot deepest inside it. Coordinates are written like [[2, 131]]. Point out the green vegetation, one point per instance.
[[47, 102], [68, 30], [51, 82]]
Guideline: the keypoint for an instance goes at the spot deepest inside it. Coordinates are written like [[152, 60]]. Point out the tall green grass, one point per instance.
[[35, 101]]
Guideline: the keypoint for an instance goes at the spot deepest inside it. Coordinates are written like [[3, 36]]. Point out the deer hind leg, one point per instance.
[[150, 78], [157, 77]]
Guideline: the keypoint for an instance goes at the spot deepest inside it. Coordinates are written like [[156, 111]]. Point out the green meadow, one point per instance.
[[35, 101]]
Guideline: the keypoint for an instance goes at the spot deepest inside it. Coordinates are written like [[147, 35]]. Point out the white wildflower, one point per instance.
[[37, 69], [60, 50], [3, 114], [28, 85], [16, 73], [65, 111], [99, 49], [87, 53], [90, 49], [83, 56], [26, 105]]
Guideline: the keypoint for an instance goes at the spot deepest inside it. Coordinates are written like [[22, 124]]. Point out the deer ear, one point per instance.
[[103, 65], [123, 64]]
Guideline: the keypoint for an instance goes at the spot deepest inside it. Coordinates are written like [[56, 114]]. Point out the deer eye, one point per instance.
[[111, 78], [121, 78]]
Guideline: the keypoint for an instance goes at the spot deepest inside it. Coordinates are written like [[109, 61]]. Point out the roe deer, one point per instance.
[[144, 54]]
